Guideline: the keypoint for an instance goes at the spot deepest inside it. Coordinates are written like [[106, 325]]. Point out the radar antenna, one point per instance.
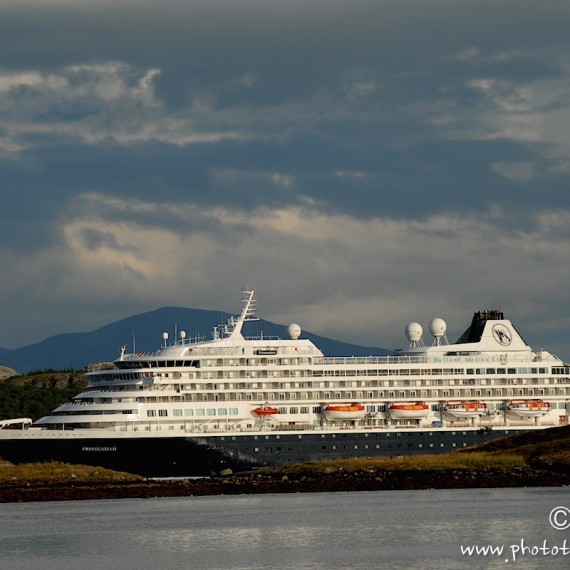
[[437, 328], [414, 332]]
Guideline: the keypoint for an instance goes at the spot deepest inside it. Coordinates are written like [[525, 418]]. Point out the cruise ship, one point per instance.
[[196, 407]]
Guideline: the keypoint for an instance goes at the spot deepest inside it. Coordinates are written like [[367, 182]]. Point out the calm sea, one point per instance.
[[385, 529]]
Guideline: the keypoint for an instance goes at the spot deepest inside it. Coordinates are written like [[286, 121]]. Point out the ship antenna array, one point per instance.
[[234, 324], [249, 312]]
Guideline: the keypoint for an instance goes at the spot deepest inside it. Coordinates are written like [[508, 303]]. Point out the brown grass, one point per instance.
[[474, 460], [55, 472]]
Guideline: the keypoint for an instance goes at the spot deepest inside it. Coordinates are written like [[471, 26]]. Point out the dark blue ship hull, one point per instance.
[[206, 454]]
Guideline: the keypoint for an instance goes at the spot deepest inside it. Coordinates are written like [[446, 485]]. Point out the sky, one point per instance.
[[361, 164]]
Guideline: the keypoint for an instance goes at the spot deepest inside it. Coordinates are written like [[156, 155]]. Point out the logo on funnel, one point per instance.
[[502, 335]]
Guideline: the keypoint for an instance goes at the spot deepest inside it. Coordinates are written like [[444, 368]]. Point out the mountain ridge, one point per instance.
[[143, 332]]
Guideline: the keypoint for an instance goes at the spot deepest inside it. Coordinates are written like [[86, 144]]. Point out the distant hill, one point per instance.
[[6, 372], [77, 350]]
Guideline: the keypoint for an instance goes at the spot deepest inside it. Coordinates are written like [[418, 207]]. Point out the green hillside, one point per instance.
[[37, 394]]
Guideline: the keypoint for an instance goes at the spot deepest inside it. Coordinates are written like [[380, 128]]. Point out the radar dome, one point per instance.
[[414, 332], [294, 331], [437, 327]]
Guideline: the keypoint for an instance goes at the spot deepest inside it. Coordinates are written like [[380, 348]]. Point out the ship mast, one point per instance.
[[233, 327]]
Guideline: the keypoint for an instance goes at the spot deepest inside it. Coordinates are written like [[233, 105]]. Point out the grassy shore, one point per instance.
[[55, 472], [445, 461]]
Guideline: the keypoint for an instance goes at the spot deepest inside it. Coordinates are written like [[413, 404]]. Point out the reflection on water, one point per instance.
[[386, 529]]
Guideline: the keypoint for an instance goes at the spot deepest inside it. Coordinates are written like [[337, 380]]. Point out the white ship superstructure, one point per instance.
[[490, 377], [280, 389]]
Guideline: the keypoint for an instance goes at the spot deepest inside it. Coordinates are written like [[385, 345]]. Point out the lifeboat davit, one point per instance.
[[470, 409], [344, 412], [265, 411], [528, 408], [409, 411]]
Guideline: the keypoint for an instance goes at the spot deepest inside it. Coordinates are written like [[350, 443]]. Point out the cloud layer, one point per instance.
[[362, 164]]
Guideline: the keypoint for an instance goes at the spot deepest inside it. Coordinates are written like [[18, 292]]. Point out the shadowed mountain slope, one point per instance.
[[144, 331]]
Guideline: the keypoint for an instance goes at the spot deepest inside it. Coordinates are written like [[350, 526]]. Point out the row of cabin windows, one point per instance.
[[457, 393], [201, 412], [251, 362], [225, 382], [365, 446], [356, 395], [347, 372]]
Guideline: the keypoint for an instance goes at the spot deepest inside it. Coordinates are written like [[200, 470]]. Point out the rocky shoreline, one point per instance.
[[276, 482]]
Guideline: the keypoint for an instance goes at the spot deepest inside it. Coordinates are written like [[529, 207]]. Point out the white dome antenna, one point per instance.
[[164, 337], [437, 328], [414, 332], [294, 331]]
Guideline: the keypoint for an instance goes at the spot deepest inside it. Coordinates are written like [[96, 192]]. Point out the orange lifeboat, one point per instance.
[[528, 408], [411, 411], [353, 411], [264, 411], [469, 409]]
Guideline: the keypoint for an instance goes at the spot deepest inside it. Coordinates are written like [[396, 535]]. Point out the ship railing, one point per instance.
[[263, 337], [140, 355], [318, 429], [352, 360], [154, 353], [225, 429], [531, 422]]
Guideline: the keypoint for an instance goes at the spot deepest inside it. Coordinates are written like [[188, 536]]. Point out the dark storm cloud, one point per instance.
[[212, 42], [414, 183], [173, 172]]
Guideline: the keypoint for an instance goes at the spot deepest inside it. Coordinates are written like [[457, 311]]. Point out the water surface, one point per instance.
[[380, 529]]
